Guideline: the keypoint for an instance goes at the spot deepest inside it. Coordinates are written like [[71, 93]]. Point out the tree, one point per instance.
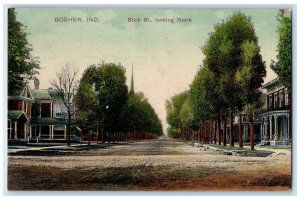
[[112, 94], [250, 78], [207, 101], [22, 66], [86, 101], [224, 58], [139, 117], [173, 108], [283, 66], [65, 85], [102, 100]]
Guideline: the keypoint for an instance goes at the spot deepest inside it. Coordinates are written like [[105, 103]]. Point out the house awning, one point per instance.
[[46, 121], [15, 114]]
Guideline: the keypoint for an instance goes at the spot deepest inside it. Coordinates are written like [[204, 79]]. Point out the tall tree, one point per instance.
[[112, 94], [139, 116], [22, 66], [250, 78], [65, 85], [283, 66], [86, 102], [173, 108], [102, 100], [223, 53]]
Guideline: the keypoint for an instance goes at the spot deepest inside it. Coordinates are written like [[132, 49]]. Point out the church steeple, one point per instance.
[[132, 84]]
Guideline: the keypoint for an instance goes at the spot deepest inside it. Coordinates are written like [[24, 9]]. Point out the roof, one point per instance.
[[45, 94], [15, 114], [24, 93], [271, 83], [47, 121]]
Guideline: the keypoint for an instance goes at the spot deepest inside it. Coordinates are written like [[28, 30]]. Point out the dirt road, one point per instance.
[[164, 165]]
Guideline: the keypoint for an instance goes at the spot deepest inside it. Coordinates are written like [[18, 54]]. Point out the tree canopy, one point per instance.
[[228, 80], [283, 66], [103, 99], [22, 66]]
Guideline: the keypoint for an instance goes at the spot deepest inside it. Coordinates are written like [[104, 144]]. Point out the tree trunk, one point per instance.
[[219, 130], [251, 133], [231, 128], [215, 132], [97, 135], [240, 130], [224, 129]]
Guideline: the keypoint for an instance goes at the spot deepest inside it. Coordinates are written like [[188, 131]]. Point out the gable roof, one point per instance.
[[24, 93], [41, 94], [45, 94], [15, 114]]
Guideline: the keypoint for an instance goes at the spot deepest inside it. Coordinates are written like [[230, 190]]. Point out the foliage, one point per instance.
[[180, 114], [138, 115], [103, 99], [223, 53], [21, 65], [229, 79], [283, 67]]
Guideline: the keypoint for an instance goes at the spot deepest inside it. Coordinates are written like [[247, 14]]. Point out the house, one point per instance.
[[37, 114], [245, 129], [19, 113], [276, 120], [49, 119]]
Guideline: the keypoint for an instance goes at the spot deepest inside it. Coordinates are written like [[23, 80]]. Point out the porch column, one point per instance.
[[52, 129], [266, 129], [25, 131], [30, 132], [271, 128], [16, 127], [276, 131], [10, 129], [65, 132], [51, 109], [288, 126], [50, 132]]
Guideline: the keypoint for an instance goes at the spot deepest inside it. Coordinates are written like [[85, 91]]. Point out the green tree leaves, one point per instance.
[[283, 67], [21, 65], [102, 99]]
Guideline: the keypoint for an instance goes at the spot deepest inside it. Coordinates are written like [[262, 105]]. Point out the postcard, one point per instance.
[[149, 99]]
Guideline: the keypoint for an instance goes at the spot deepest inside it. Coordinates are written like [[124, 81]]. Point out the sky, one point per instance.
[[165, 56]]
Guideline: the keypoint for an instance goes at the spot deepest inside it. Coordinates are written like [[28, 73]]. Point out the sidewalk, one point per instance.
[[61, 149], [235, 151]]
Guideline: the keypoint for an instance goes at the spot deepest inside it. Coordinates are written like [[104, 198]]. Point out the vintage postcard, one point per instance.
[[149, 99]]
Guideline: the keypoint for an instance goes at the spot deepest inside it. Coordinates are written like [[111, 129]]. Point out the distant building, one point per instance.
[[276, 119]]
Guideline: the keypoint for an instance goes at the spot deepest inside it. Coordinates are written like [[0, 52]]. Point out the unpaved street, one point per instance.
[[151, 165]]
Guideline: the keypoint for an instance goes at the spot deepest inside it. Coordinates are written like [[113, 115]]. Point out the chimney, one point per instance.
[[36, 83]]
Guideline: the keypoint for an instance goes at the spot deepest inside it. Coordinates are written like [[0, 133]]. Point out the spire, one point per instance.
[[132, 84]]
